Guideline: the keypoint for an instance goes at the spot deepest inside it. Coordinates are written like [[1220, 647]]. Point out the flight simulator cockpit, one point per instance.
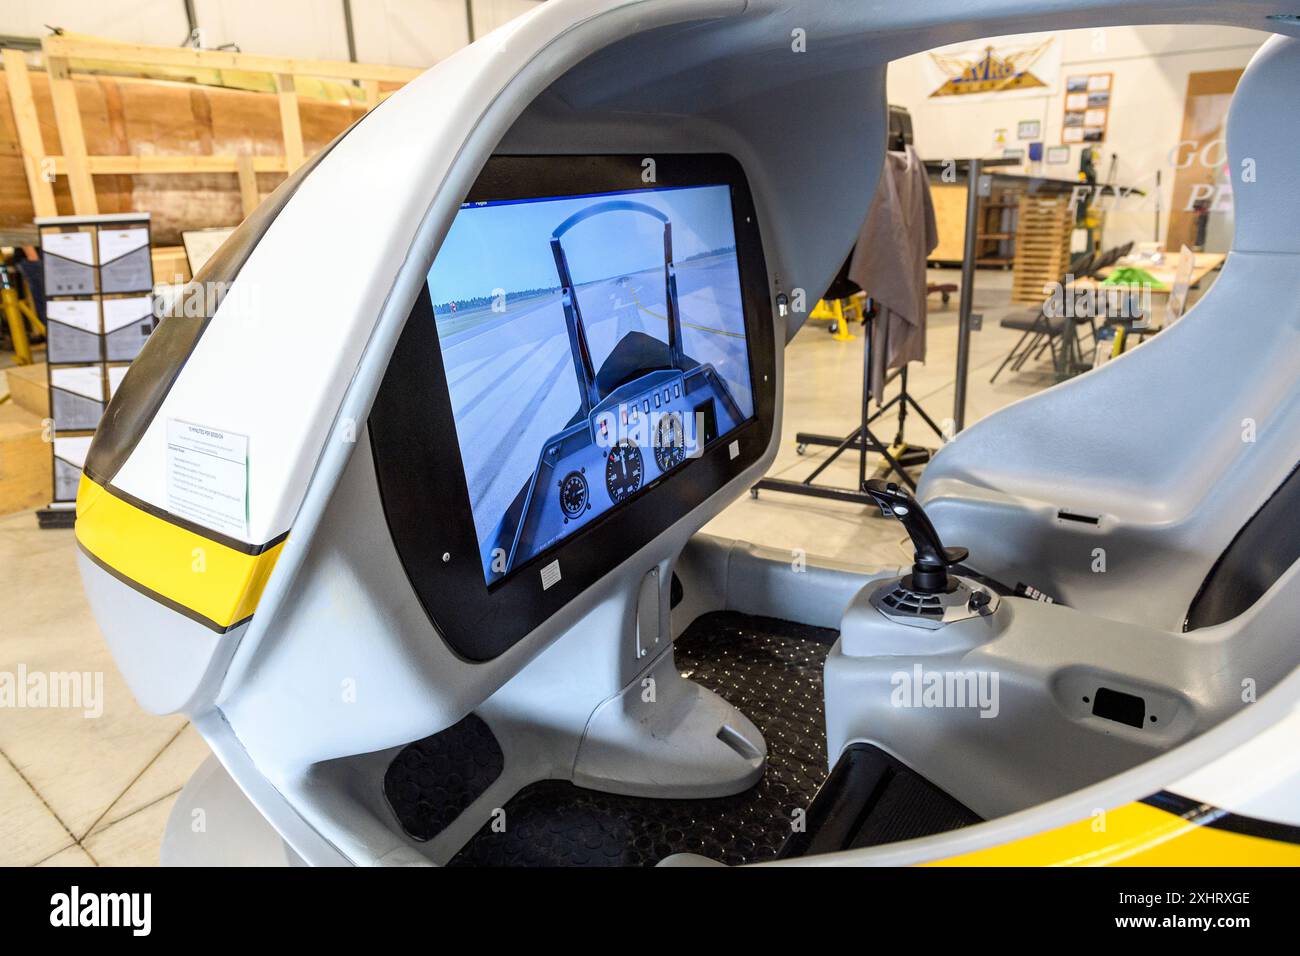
[[448, 600]]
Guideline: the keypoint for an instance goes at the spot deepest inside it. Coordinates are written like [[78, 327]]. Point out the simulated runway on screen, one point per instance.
[[511, 373]]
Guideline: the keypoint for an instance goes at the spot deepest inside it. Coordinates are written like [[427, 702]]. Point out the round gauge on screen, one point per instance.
[[574, 494], [670, 442], [623, 467]]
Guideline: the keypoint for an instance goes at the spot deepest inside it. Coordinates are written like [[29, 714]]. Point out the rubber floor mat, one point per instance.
[[772, 671]]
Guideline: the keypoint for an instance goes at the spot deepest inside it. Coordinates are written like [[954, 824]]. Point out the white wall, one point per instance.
[[408, 32], [1150, 67], [161, 22], [402, 32], [490, 14], [302, 28]]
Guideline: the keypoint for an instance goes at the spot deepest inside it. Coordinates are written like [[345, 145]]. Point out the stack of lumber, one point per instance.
[[1042, 246]]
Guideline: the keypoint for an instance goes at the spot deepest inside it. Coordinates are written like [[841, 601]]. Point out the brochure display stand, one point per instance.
[[99, 306]]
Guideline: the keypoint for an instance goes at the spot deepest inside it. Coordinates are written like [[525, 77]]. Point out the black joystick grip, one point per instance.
[[932, 559]]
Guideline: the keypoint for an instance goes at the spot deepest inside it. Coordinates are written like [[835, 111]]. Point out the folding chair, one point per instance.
[[1042, 330]]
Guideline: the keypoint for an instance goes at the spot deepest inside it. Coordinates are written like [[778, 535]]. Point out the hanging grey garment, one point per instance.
[[889, 261]]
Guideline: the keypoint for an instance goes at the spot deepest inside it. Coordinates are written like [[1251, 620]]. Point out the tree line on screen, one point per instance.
[[522, 295], [485, 301]]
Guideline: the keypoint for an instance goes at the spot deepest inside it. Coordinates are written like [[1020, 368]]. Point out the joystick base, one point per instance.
[[899, 600]]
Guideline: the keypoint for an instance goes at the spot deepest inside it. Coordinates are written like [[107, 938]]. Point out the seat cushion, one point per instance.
[[1030, 319]]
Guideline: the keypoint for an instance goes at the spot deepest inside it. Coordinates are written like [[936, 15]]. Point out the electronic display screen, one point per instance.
[[592, 345]]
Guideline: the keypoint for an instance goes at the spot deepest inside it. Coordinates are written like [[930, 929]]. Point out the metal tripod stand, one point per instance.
[[896, 458]]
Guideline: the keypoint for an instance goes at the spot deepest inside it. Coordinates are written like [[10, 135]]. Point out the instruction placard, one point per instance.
[[207, 476]]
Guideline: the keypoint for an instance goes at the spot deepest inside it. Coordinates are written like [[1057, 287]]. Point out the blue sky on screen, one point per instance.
[[508, 246]]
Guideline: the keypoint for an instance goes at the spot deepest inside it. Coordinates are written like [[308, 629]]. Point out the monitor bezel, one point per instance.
[[423, 490]]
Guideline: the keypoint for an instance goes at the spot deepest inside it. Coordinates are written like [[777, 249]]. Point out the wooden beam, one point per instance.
[[372, 93], [248, 194], [142, 165], [71, 136], [69, 46], [290, 122], [269, 164], [29, 133]]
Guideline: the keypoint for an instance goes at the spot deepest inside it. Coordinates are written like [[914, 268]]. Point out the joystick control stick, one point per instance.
[[930, 596], [932, 560]]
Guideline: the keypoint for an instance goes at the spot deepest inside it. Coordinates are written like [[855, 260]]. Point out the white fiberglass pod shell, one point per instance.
[[293, 357]]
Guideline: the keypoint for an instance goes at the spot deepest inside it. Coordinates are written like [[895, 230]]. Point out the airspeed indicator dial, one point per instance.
[[623, 469]]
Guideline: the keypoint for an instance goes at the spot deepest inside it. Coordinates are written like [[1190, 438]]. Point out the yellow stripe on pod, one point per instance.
[[1135, 834], [217, 584]]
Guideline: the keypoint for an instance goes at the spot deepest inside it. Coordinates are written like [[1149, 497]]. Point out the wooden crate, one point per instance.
[[29, 388], [1042, 255], [133, 122], [25, 461]]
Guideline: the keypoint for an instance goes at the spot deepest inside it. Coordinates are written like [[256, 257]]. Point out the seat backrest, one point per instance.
[[1080, 266], [1105, 260]]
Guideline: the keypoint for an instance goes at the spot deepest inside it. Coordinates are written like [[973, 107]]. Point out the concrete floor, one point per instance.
[[97, 791]]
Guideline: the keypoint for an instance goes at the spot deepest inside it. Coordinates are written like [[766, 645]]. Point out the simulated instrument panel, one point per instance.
[[591, 344]]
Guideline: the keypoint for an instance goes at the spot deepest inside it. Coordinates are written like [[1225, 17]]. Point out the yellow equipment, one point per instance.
[[838, 312], [19, 309]]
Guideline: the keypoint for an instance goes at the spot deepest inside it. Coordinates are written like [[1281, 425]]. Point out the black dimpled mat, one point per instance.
[[432, 780], [772, 671]]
